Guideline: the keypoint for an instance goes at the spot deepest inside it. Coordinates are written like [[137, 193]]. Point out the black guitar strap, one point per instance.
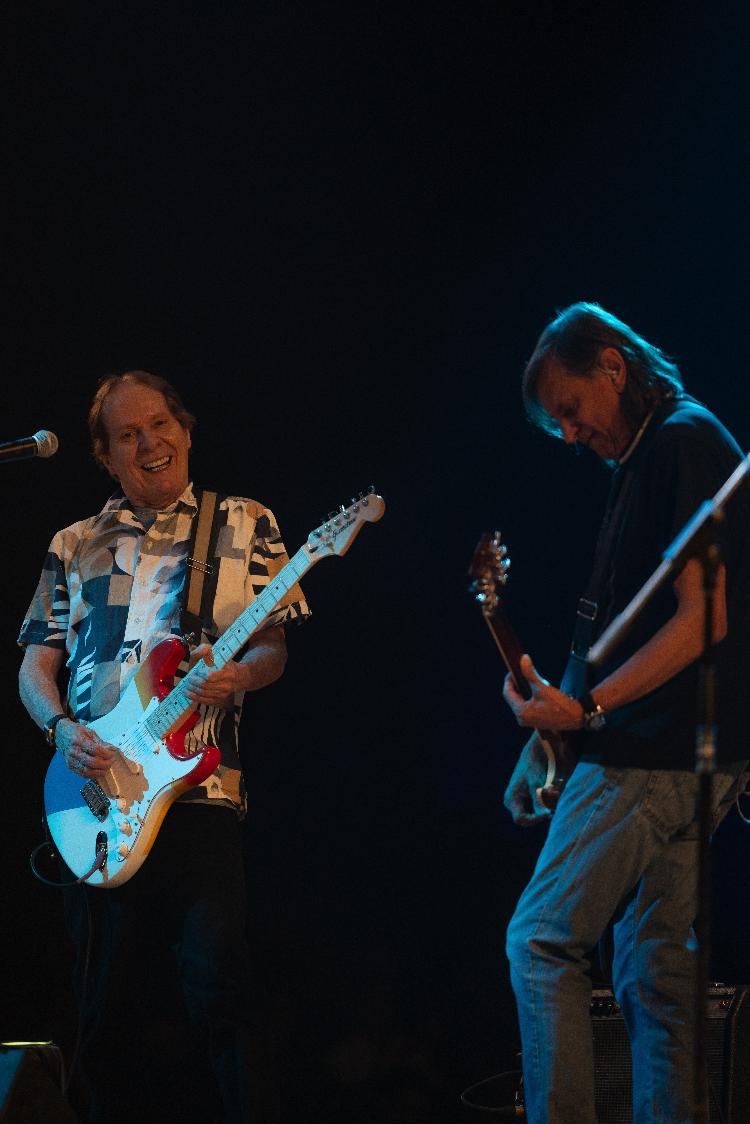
[[574, 680], [202, 575]]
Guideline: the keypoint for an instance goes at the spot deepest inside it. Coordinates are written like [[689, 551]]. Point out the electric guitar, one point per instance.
[[489, 572], [104, 828]]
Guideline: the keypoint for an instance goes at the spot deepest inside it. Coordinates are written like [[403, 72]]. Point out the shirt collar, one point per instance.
[[119, 502], [636, 440]]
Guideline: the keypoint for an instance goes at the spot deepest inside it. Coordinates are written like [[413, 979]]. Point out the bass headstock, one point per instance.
[[489, 571]]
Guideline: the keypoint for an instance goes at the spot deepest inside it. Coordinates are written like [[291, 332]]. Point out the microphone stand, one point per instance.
[[697, 539], [679, 550], [705, 767]]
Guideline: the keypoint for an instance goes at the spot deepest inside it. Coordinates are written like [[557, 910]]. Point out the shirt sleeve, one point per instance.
[[686, 470], [268, 556], [46, 621]]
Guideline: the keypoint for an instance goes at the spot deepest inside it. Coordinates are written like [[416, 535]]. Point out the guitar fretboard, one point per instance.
[[173, 709]]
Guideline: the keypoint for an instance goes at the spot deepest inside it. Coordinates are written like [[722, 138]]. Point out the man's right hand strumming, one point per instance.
[[529, 775], [85, 753]]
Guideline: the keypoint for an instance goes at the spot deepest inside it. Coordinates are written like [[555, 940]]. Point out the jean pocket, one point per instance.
[[669, 801]]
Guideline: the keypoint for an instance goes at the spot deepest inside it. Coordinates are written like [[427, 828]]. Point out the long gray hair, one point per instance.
[[576, 338]]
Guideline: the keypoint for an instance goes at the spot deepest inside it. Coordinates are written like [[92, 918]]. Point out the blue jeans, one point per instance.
[[622, 847]]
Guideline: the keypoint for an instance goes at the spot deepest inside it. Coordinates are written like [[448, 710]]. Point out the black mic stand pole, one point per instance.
[[705, 766]]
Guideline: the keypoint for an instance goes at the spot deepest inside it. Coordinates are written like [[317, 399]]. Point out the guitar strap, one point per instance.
[[574, 681], [201, 577]]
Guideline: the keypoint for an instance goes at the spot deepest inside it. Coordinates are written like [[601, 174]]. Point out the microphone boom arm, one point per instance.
[[684, 545]]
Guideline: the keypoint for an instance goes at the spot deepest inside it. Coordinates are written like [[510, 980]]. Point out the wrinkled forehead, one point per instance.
[[132, 404]]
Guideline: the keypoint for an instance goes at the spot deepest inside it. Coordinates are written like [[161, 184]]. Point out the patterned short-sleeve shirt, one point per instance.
[[111, 590]]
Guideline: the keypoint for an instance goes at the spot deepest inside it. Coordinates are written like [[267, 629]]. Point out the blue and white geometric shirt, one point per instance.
[[111, 590]]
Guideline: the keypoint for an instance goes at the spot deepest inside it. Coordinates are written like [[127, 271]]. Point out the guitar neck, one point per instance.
[[509, 647], [177, 705]]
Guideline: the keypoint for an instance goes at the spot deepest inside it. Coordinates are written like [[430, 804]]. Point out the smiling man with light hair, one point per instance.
[[112, 589]]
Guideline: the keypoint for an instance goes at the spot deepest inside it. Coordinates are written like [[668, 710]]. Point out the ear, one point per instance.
[[613, 365]]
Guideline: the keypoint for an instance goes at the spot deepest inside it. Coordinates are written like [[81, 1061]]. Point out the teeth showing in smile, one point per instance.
[[157, 466]]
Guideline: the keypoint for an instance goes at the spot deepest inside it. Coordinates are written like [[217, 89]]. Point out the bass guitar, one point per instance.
[[489, 573], [104, 828]]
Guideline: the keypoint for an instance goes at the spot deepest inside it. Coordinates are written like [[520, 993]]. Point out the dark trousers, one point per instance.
[[185, 907]]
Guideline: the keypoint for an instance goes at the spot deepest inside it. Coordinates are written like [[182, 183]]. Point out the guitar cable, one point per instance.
[[99, 861], [66, 1074], [46, 844], [742, 795], [81, 1004]]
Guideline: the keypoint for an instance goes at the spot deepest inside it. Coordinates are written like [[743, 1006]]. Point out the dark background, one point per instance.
[[339, 229]]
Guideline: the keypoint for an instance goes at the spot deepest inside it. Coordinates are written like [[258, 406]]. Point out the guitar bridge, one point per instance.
[[97, 800]]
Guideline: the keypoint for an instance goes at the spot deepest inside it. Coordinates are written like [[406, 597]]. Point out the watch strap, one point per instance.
[[50, 728], [594, 717]]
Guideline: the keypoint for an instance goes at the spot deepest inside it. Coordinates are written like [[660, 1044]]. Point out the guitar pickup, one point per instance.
[[97, 800]]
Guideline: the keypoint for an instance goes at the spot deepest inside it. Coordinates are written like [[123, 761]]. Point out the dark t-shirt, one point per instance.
[[683, 458]]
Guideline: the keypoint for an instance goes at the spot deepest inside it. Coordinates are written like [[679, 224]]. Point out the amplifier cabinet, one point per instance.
[[30, 1079], [727, 1048]]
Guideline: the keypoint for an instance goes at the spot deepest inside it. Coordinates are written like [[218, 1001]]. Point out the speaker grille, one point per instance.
[[727, 1050]]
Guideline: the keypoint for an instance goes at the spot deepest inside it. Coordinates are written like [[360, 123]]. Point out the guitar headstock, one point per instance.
[[489, 571], [337, 533]]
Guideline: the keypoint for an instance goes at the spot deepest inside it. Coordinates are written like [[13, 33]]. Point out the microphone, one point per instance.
[[42, 444]]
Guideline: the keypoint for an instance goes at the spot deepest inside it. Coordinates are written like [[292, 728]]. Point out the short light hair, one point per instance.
[[97, 428]]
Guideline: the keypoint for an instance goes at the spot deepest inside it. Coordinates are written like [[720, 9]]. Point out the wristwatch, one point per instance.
[[594, 718], [49, 729]]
